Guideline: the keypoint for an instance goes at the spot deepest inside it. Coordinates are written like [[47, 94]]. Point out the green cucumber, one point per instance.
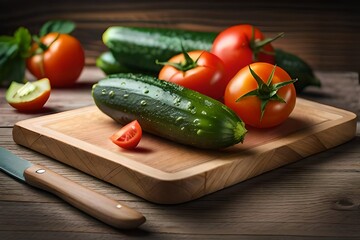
[[140, 47], [168, 110], [296, 68], [109, 65]]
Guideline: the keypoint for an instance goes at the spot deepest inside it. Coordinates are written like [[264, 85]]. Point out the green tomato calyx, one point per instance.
[[266, 91], [188, 64], [257, 45]]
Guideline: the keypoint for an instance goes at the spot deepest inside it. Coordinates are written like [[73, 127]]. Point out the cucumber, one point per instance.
[[296, 68], [137, 49], [140, 47], [168, 110], [109, 65]]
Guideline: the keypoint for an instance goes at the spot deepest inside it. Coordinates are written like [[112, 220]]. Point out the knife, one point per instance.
[[99, 206]]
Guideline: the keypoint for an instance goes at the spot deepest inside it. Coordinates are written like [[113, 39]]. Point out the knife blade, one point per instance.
[[99, 206]]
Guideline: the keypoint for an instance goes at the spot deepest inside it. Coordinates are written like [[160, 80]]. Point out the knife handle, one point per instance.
[[99, 206]]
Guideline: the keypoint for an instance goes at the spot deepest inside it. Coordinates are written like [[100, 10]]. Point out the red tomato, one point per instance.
[[240, 45], [62, 61], [204, 73], [128, 136], [249, 108], [29, 97]]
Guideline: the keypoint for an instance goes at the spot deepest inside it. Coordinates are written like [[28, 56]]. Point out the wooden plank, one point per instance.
[[315, 198], [325, 35], [331, 93], [165, 172]]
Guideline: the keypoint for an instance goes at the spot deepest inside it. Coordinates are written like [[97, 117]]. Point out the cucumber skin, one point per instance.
[[137, 49], [168, 110], [136, 46], [109, 65], [296, 68]]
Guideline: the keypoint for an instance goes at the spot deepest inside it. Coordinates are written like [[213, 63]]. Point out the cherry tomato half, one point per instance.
[[28, 97], [61, 59], [128, 136], [240, 45], [280, 100], [204, 73]]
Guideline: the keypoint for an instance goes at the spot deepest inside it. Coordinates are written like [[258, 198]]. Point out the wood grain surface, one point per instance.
[[164, 172], [315, 198], [323, 33]]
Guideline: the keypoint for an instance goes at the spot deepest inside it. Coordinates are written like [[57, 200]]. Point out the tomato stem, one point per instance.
[[188, 64], [258, 45], [41, 46], [40, 50], [266, 91]]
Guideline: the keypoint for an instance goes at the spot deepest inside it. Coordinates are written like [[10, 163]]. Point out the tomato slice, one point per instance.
[[128, 136], [29, 97]]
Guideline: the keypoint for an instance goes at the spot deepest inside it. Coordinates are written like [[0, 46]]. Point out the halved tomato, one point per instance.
[[28, 97], [128, 136]]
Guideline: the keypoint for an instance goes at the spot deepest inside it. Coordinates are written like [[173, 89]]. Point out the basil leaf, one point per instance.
[[60, 26], [12, 70], [23, 39], [13, 52], [7, 50]]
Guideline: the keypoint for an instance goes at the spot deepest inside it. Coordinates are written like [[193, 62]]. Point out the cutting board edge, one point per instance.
[[34, 125], [179, 190]]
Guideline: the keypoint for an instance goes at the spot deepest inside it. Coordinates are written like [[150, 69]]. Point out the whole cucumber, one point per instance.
[[169, 110], [139, 48]]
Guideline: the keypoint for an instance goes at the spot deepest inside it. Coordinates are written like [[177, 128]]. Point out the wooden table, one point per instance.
[[314, 198]]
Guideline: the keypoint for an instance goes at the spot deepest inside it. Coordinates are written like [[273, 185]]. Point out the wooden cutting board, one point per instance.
[[165, 172]]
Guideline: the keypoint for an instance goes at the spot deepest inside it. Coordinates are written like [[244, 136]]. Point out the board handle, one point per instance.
[[99, 206]]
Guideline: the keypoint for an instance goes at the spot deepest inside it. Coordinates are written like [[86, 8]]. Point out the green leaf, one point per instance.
[[13, 70], [4, 39], [60, 26], [7, 51], [23, 39], [13, 52]]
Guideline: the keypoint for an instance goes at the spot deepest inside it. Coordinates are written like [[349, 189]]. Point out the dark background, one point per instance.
[[326, 34]]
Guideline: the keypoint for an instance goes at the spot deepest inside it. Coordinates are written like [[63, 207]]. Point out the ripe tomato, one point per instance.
[[128, 136], [60, 58], [198, 70], [29, 97], [262, 98], [240, 45]]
